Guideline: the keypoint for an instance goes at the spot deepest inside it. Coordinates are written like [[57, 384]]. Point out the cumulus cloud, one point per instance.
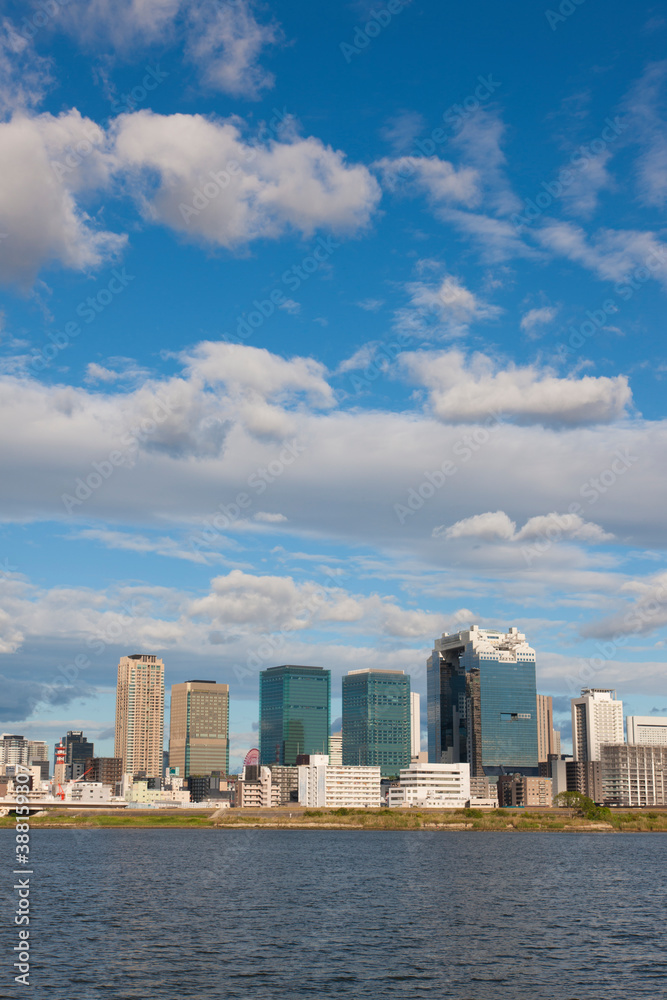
[[451, 301], [196, 176], [215, 187], [462, 391], [497, 526], [39, 201]]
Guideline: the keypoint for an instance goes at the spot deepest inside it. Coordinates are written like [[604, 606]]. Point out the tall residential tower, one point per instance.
[[140, 714], [597, 718]]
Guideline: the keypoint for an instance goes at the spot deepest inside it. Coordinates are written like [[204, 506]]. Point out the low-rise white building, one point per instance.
[[334, 786], [432, 786], [256, 789], [86, 793]]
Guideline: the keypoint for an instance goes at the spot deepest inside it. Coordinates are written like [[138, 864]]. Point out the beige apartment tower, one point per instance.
[[199, 728], [140, 714]]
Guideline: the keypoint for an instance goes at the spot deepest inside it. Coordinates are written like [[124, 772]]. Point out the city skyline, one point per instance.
[[290, 384]]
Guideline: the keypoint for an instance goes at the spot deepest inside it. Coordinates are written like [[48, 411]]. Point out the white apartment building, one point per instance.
[[256, 789], [18, 750], [597, 718], [333, 786], [336, 748], [432, 786], [415, 725], [647, 730]]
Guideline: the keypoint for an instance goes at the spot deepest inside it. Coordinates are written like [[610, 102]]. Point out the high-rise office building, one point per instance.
[[16, 749], [415, 725], [140, 714], [482, 702], [597, 718], [294, 713], [199, 728], [77, 749], [647, 730], [376, 720]]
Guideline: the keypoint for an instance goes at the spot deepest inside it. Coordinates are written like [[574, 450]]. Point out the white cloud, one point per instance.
[[489, 526], [211, 185], [611, 254], [215, 187], [402, 129], [123, 25], [291, 306], [38, 206], [451, 300], [24, 76], [479, 142], [497, 526], [269, 518], [535, 318], [646, 107], [497, 239], [471, 391], [439, 179], [581, 196], [225, 42]]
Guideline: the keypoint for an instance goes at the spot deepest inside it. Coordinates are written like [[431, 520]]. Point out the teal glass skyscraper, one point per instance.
[[482, 702], [294, 713], [376, 719]]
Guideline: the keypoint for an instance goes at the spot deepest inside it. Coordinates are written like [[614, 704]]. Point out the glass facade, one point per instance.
[[294, 713], [376, 720], [482, 702]]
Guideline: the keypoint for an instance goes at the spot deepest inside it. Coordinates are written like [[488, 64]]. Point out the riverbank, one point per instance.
[[497, 820]]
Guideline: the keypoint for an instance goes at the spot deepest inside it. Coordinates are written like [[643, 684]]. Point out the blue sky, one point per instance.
[[325, 330]]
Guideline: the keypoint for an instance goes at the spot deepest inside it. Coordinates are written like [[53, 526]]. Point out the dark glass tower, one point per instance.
[[482, 702], [294, 713], [77, 749], [376, 720]]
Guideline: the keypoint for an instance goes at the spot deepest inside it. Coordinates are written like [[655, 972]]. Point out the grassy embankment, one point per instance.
[[500, 820]]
